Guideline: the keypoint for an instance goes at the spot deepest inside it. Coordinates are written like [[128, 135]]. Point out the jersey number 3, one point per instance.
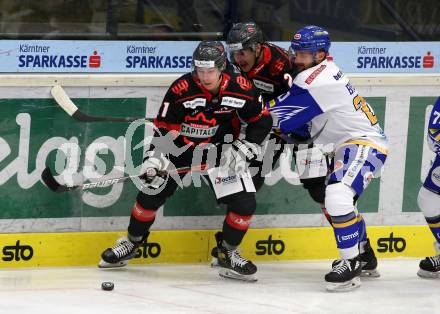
[[360, 103]]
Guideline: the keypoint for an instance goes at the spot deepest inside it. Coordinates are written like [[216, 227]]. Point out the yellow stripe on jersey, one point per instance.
[[436, 225], [366, 143], [346, 224]]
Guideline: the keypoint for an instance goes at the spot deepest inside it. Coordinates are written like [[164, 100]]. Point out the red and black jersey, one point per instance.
[[200, 117], [268, 74]]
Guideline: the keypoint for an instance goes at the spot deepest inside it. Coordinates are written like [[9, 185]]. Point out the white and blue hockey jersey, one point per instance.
[[434, 128], [324, 96]]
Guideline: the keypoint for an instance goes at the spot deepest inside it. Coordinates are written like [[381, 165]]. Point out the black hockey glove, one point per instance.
[[242, 153]]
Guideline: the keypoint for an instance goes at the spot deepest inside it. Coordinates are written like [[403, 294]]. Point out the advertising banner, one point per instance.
[[67, 56], [34, 129]]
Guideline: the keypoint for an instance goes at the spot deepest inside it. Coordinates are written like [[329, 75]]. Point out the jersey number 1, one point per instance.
[[164, 109], [360, 103]]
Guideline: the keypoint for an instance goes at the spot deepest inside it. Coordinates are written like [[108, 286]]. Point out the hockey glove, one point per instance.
[[153, 169], [242, 153]]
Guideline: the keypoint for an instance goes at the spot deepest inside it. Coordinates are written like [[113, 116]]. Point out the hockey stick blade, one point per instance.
[[64, 101], [53, 185]]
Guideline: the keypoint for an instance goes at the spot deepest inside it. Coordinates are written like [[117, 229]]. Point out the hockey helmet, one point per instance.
[[209, 54], [244, 35], [311, 39]]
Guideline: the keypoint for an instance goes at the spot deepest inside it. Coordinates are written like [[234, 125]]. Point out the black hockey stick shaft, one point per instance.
[[64, 101], [80, 116], [53, 185]]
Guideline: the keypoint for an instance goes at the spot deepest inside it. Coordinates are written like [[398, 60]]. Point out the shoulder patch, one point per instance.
[[314, 74]]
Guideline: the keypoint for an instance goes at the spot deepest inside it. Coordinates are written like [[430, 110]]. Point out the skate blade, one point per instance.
[[214, 262], [104, 264], [229, 273], [344, 286], [370, 273], [428, 274]]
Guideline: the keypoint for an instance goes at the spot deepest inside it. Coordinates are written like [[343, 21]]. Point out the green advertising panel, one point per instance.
[[33, 129]]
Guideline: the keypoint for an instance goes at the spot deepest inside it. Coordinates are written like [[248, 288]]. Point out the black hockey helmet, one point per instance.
[[244, 35], [209, 54]]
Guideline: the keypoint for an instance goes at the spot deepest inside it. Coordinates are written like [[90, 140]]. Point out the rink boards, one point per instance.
[[74, 228], [194, 246], [35, 127]]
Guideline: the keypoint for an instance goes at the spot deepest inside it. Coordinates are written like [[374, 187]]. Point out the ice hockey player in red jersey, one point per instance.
[[261, 62], [204, 110], [267, 65]]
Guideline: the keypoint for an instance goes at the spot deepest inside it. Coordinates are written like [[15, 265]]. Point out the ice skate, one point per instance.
[[430, 266], [234, 266], [214, 251], [345, 275], [118, 255], [369, 262]]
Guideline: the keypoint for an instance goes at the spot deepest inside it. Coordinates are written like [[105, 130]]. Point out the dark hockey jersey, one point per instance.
[[268, 75], [200, 117]]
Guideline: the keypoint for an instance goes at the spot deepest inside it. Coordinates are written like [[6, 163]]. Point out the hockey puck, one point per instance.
[[107, 286]]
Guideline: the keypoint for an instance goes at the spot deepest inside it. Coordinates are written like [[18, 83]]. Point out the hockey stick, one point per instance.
[[52, 184], [64, 101]]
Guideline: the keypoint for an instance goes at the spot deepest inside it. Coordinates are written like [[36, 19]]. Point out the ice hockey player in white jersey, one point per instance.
[[429, 196], [341, 118]]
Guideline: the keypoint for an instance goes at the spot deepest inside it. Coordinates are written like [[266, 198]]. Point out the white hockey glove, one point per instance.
[[242, 153], [153, 169]]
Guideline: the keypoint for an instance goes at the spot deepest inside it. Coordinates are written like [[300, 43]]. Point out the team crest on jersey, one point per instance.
[[193, 104], [198, 127], [315, 73]]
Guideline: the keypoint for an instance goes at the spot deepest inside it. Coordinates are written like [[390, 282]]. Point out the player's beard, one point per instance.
[[299, 67]]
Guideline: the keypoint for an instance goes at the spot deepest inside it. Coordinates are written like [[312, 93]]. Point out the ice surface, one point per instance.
[[283, 287]]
